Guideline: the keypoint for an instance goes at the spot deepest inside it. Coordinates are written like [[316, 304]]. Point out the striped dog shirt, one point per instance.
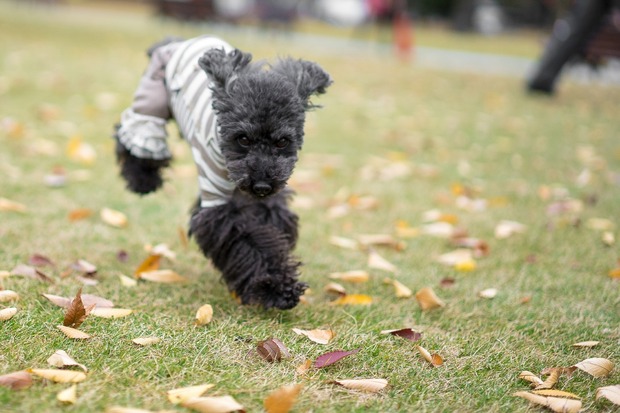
[[174, 86]]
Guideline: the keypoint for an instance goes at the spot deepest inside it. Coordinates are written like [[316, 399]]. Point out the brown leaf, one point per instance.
[[282, 399], [61, 359], [317, 335], [68, 395], [531, 377], [597, 367], [368, 385], [7, 313], [406, 333], [74, 333], [150, 263], [427, 299], [17, 380], [435, 359], [76, 313], [180, 395], [332, 357], [611, 393], [219, 404], [31, 272], [59, 376], [556, 404], [272, 350], [353, 299], [551, 380]]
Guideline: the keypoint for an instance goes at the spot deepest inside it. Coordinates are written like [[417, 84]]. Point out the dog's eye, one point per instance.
[[244, 141], [282, 143]]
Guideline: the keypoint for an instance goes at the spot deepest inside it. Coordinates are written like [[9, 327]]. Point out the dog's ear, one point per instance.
[[222, 67], [309, 78]]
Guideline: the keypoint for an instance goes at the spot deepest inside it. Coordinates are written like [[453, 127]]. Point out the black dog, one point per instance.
[[245, 123]]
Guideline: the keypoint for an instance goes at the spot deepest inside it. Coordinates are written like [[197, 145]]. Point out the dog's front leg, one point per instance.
[[252, 254]]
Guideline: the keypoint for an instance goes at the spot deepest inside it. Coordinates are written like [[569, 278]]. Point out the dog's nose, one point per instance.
[[262, 188]]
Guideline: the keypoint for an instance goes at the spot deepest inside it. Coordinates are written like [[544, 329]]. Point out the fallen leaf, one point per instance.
[[61, 359], [113, 218], [435, 359], [8, 295], [456, 257], [355, 276], [282, 399], [76, 312], [368, 385], [81, 151], [597, 367], [161, 250], [31, 272], [150, 263], [79, 214], [336, 288], [345, 243], [7, 313], [353, 299], [506, 229], [611, 393], [427, 299], [377, 262], [488, 293], [17, 380], [73, 333], [68, 395], [400, 290], [204, 315], [146, 341], [608, 238], [615, 273], [406, 333], [11, 206], [318, 336], [600, 224], [551, 380], [588, 344], [556, 404], [39, 260], [479, 247], [303, 368], [332, 357], [381, 240], [84, 267], [219, 404], [272, 350], [556, 393], [127, 281], [63, 302], [59, 376], [182, 394], [162, 276], [531, 377], [439, 230], [110, 312]]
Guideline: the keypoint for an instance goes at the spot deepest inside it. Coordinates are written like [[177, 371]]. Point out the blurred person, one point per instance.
[[570, 35]]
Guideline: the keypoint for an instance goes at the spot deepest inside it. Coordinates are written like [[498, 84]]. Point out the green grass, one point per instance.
[[477, 131]]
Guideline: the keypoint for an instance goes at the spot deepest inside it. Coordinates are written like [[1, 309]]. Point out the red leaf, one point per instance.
[[406, 333], [330, 358]]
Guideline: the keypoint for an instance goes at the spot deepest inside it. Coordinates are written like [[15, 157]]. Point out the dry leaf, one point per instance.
[[150, 263], [376, 261], [597, 367], [79, 213], [588, 344], [282, 399], [7, 313], [73, 333], [479, 247], [333, 287], [435, 359], [332, 357], [76, 313], [39, 260], [272, 350], [556, 393], [615, 274], [63, 302], [507, 229], [61, 359], [608, 238], [95, 301], [11, 206], [162, 276], [531, 377], [400, 289], [556, 404], [611, 393], [355, 276], [8, 295], [59, 376], [161, 250], [220, 404], [317, 335], [381, 240], [113, 218], [369, 385], [204, 315], [353, 299], [180, 395], [439, 230], [80, 151], [342, 242], [17, 380], [406, 333], [303, 368], [127, 282], [427, 299], [600, 224], [554, 376], [68, 395], [146, 341], [110, 312], [456, 257], [84, 267], [488, 293]]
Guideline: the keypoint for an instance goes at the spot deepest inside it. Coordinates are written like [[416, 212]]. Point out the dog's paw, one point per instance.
[[271, 292]]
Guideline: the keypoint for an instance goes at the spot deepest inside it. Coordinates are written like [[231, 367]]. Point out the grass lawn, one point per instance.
[[391, 143]]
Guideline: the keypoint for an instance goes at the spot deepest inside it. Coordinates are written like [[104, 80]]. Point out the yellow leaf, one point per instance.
[[11, 206], [80, 151], [304, 367], [369, 385], [59, 376], [146, 341], [427, 299], [8, 295], [80, 213], [127, 281], [110, 312], [597, 367], [552, 379], [113, 218], [7, 313], [68, 395], [162, 276], [531, 377], [221, 404], [615, 273], [465, 266], [204, 315], [376, 261], [556, 404], [73, 333], [318, 336], [282, 399], [180, 395], [586, 344], [611, 393], [353, 299], [556, 393], [355, 276], [435, 359], [400, 289]]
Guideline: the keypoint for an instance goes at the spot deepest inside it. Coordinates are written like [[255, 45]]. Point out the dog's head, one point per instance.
[[261, 112]]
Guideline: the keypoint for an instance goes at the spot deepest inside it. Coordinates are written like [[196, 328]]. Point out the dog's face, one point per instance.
[[261, 114]]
